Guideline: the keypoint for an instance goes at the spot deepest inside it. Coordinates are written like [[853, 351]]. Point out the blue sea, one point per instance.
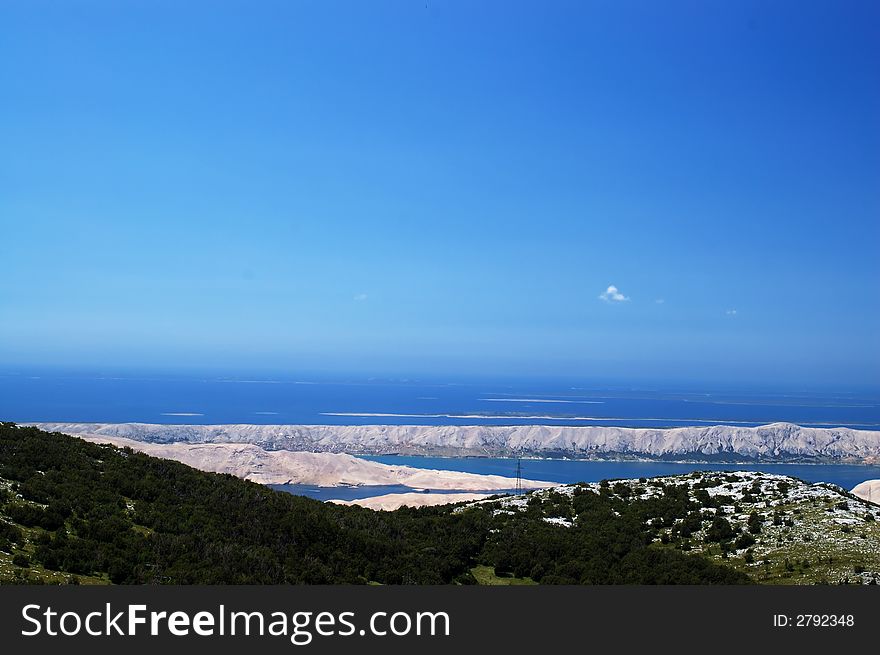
[[40, 395], [366, 491], [68, 396], [570, 471]]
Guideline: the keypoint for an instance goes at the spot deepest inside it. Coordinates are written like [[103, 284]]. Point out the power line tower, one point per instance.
[[519, 488]]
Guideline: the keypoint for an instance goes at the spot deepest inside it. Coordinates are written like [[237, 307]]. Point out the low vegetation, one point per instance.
[[773, 528], [81, 513], [78, 512]]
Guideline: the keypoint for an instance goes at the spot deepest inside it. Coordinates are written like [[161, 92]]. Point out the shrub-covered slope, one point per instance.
[[72, 511], [775, 528]]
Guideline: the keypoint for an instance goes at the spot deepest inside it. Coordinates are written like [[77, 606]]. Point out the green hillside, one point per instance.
[[72, 511]]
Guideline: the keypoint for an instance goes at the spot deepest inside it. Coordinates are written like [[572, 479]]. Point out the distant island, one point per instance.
[[772, 443]]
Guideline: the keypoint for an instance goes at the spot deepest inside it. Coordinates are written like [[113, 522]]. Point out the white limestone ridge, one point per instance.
[[767, 443], [253, 463], [390, 502]]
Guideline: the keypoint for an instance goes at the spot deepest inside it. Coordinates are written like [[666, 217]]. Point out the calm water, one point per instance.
[[568, 471], [353, 493], [60, 396]]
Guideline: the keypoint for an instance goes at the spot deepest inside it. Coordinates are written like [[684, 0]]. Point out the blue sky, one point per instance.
[[446, 190]]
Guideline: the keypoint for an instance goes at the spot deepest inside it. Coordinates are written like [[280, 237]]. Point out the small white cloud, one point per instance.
[[731, 312], [360, 297], [612, 294], [660, 301]]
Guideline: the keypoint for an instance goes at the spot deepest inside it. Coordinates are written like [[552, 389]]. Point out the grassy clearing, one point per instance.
[[815, 550], [10, 573], [485, 575]]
